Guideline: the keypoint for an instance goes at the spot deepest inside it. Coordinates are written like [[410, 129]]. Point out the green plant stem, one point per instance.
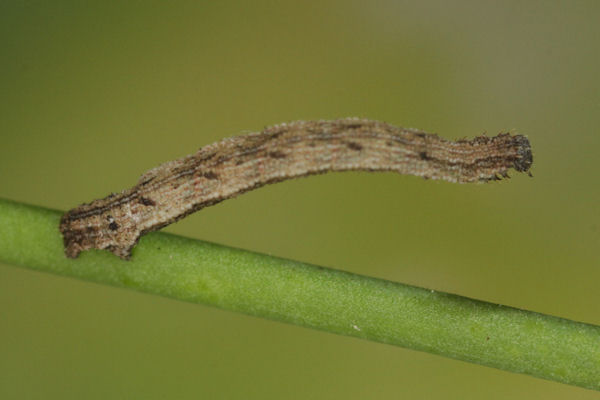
[[317, 297]]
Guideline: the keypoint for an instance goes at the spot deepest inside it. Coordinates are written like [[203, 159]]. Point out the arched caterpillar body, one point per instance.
[[236, 165]]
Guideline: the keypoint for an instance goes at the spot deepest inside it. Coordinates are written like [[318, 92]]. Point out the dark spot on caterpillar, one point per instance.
[[210, 175], [113, 226], [423, 155], [312, 144], [147, 181], [389, 143], [420, 134], [208, 156], [147, 202], [354, 146], [356, 125], [276, 134], [276, 154], [239, 161], [480, 140]]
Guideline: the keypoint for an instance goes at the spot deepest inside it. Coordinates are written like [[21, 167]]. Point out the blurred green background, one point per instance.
[[93, 94]]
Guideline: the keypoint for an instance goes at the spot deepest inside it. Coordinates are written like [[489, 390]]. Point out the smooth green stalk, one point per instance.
[[316, 297]]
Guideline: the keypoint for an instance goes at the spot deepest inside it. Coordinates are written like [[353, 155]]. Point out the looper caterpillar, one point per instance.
[[236, 165]]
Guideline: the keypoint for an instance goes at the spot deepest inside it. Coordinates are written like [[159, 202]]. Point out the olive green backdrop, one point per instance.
[[93, 94]]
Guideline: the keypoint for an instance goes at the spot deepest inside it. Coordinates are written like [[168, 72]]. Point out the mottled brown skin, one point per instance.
[[236, 165]]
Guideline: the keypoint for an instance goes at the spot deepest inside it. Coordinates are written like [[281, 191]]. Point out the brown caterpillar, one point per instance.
[[236, 165]]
